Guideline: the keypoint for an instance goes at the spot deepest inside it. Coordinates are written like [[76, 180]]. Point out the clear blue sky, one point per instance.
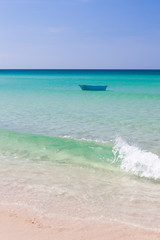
[[80, 34]]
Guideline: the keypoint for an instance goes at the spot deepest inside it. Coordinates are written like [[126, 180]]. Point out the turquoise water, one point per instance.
[[51, 103], [53, 134]]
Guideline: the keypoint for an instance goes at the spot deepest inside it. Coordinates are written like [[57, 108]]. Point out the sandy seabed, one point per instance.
[[14, 227]]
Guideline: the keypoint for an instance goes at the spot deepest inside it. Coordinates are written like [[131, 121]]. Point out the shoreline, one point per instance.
[[14, 227]]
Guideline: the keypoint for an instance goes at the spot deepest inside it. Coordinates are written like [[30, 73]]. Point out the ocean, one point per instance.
[[74, 154]]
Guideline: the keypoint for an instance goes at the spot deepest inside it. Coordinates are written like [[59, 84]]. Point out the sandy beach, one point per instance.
[[14, 227]]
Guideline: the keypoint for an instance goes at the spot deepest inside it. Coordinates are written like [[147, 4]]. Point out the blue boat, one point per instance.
[[93, 87]]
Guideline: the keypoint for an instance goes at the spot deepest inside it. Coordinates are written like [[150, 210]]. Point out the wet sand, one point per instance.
[[14, 227]]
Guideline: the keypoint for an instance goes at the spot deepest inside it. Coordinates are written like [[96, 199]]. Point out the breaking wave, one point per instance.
[[97, 154], [133, 159]]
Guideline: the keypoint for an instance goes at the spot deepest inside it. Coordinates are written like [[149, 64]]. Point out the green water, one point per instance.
[[54, 149]]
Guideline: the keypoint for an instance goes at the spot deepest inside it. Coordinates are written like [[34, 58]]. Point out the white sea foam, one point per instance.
[[133, 159], [86, 139]]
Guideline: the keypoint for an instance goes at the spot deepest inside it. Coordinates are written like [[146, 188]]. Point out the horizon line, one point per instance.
[[152, 69]]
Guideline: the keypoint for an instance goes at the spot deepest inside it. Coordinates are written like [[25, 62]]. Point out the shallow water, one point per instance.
[[72, 153]]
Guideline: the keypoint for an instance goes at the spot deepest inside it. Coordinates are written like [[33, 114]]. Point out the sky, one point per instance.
[[80, 34]]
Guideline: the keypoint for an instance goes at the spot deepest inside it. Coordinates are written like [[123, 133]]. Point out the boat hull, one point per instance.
[[93, 87]]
